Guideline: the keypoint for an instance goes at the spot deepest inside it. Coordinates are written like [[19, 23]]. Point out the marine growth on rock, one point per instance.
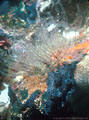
[[44, 59]]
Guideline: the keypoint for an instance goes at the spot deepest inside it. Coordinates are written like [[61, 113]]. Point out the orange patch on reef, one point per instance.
[[71, 53], [84, 45], [36, 82], [87, 50]]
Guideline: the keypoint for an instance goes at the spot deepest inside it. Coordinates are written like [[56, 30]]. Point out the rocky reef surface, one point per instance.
[[44, 59]]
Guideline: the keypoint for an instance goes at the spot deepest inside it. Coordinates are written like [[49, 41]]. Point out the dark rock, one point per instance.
[[30, 102], [61, 85]]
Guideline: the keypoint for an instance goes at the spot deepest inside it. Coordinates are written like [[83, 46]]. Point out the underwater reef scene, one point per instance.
[[44, 59]]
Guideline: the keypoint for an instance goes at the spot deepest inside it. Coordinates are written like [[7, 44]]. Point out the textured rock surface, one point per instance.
[[82, 72], [47, 56]]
